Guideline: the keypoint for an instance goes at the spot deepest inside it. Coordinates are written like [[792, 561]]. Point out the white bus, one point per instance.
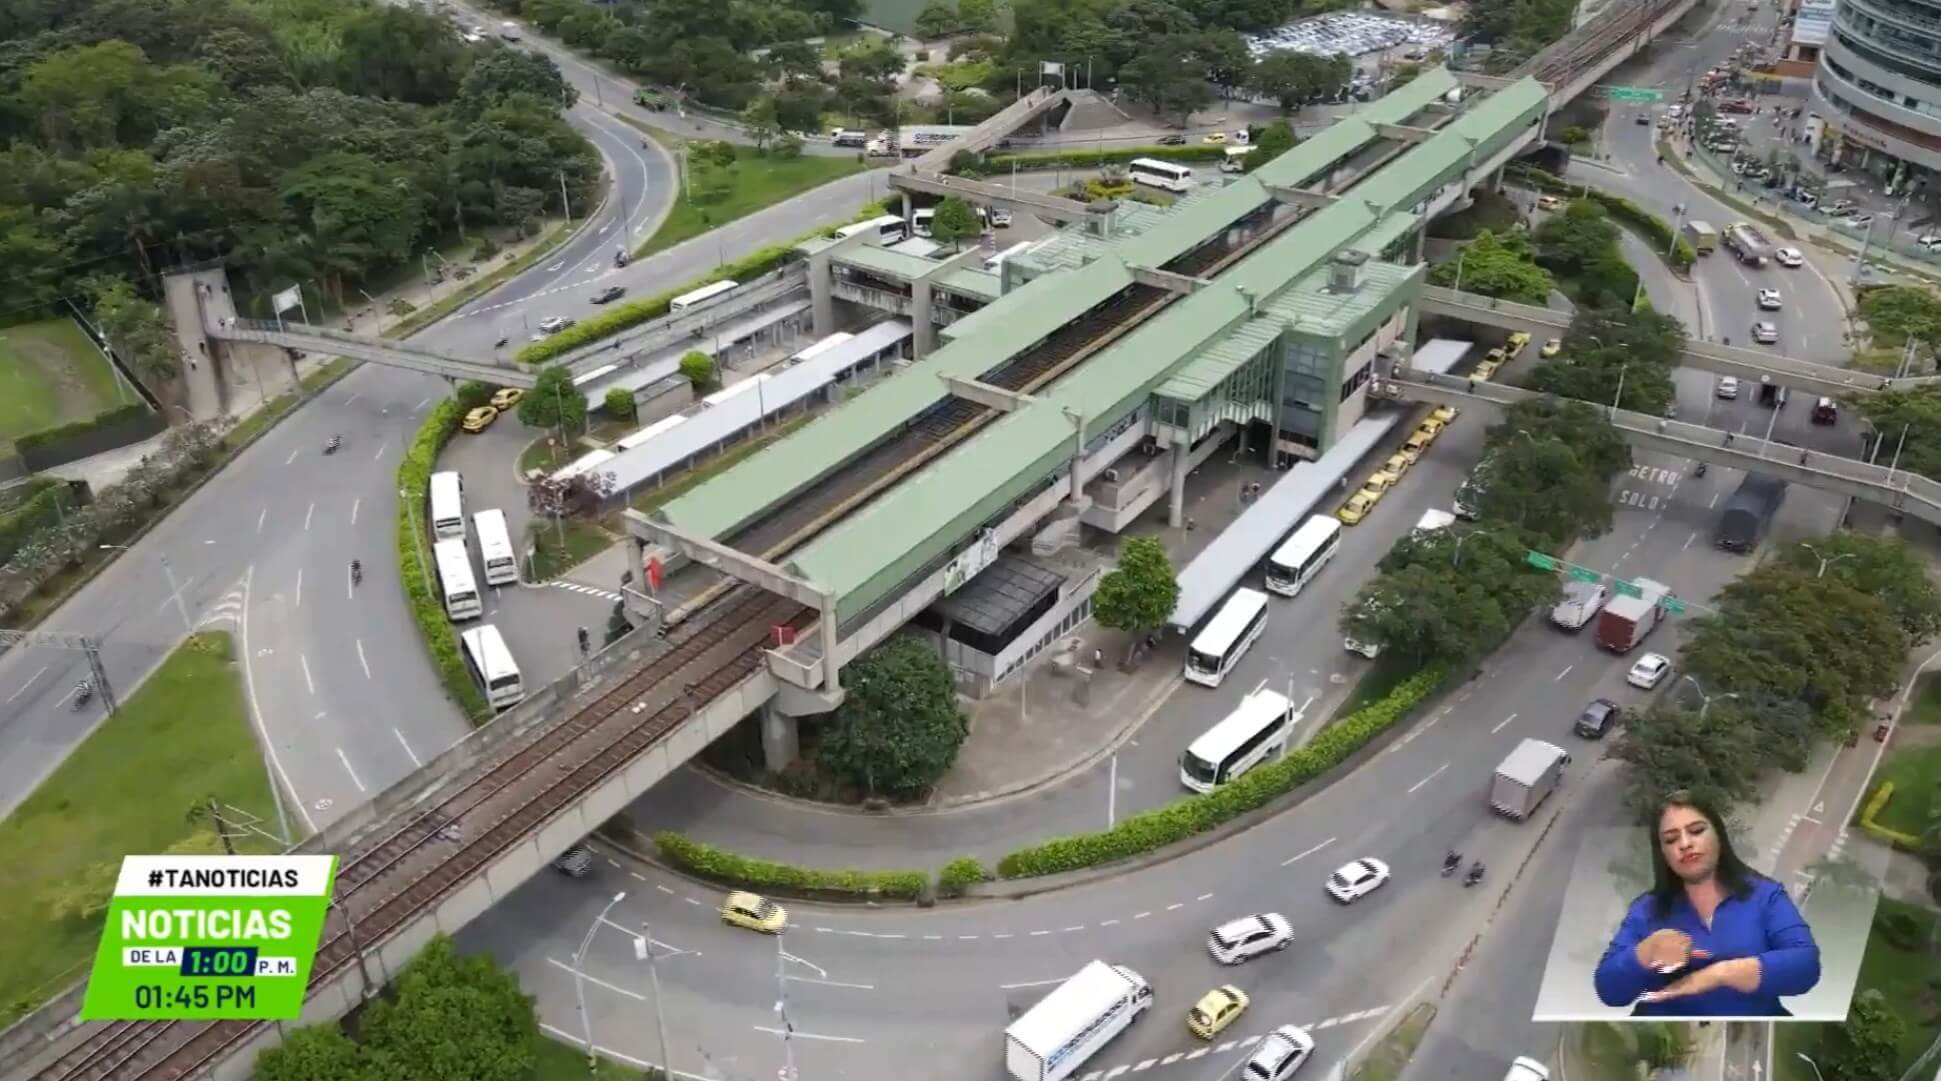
[[492, 666], [702, 296], [495, 548], [1226, 639], [1302, 556], [1161, 174], [1251, 734], [1053, 1039], [455, 578], [447, 514], [920, 221], [887, 229]]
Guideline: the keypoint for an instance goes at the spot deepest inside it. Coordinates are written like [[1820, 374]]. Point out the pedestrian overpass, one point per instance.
[[1897, 489]]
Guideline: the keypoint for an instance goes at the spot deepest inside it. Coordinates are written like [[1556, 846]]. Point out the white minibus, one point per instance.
[[447, 514], [455, 580], [1227, 638], [492, 666], [1160, 174], [495, 548], [1251, 734], [1297, 561]]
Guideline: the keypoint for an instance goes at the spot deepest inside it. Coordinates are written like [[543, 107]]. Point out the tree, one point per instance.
[[315, 1053], [1713, 754], [1497, 267], [698, 368], [899, 728], [619, 403], [1140, 593], [976, 16], [1444, 595], [453, 1016], [1581, 233], [937, 19], [1169, 77], [505, 72], [136, 331], [760, 122], [1293, 79], [1546, 488], [954, 222], [1867, 1046], [1276, 139], [1881, 566], [1903, 313], [800, 108], [553, 401], [1908, 422], [1613, 348]]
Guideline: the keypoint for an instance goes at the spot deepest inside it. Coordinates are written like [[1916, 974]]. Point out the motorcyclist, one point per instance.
[[356, 571], [1700, 471]]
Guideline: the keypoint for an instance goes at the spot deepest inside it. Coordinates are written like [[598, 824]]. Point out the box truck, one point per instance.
[[1749, 512], [1580, 604], [1056, 1037], [1530, 773], [1626, 620], [1704, 239]]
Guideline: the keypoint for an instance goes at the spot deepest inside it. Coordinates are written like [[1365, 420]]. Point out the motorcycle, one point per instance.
[[331, 444], [356, 573], [1450, 863], [1700, 471], [1475, 874], [83, 693], [500, 344]]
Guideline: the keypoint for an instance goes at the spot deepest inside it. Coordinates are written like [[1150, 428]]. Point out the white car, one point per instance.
[[1527, 1069], [1370, 650], [556, 324], [1247, 938], [1651, 670], [1728, 387], [1280, 1053], [1790, 257], [1765, 332], [1769, 300], [1357, 880]]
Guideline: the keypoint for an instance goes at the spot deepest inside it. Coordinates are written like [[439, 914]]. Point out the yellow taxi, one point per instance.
[[507, 397], [1215, 138], [480, 419], [1381, 481], [1552, 347], [1398, 464], [1444, 415], [1517, 343], [1486, 369], [1417, 445], [755, 912], [1358, 506], [1216, 1009], [1432, 427], [1496, 356]]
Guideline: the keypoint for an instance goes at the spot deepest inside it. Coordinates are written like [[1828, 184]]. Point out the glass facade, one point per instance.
[[1307, 372]]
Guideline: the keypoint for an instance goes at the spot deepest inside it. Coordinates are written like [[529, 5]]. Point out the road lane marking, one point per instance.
[[422, 402], [29, 683], [381, 448], [1500, 725], [1429, 778], [967, 938], [1115, 1071], [306, 516], [1108, 923], [798, 1034], [1146, 1064], [256, 710], [1204, 897], [352, 400], [1688, 542], [406, 746], [1004, 934], [345, 759], [305, 662], [1174, 907], [1037, 934], [1080, 927], [354, 504], [293, 456], [1030, 983], [1141, 915], [299, 603], [833, 983], [1299, 856], [598, 982], [1196, 1052], [260, 515], [1563, 673]]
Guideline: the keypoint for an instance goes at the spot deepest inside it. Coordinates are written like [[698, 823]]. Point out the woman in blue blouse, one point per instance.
[[1713, 937]]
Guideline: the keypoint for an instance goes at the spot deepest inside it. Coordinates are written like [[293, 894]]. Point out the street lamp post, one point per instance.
[[174, 590], [1803, 1057], [579, 986], [1709, 698], [644, 951], [782, 1013], [1825, 561]]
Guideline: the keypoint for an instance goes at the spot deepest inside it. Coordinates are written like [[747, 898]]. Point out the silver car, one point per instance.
[[1765, 333]]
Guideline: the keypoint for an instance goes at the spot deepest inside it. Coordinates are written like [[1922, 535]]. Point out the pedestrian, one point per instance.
[[1098, 658]]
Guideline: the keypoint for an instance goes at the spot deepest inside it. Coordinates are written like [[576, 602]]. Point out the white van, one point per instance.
[[1236, 159]]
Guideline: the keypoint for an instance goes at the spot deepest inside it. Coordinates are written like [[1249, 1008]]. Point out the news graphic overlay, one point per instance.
[[1613, 869], [210, 938]]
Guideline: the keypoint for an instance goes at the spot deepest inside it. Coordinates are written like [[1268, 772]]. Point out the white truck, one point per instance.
[[1432, 520], [1530, 773], [1067, 1027], [1580, 603]]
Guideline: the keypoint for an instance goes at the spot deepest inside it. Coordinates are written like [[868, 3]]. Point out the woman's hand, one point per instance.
[[1740, 974], [1668, 951]]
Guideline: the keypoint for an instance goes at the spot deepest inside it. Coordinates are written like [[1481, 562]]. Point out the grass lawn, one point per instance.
[[1916, 774], [567, 1062], [50, 373], [545, 453], [551, 558], [1907, 979], [1925, 706], [755, 183], [1388, 1058], [182, 737]]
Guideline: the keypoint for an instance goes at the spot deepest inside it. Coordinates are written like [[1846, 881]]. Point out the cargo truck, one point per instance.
[[1704, 239], [1530, 773], [1749, 512], [1580, 604], [1056, 1037], [1626, 620]]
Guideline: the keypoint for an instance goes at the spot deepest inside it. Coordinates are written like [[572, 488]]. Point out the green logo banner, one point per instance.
[[210, 938]]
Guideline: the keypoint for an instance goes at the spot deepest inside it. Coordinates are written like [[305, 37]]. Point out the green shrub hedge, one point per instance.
[[118, 415], [1655, 228], [414, 558], [959, 875], [732, 869], [41, 505], [1048, 159], [1177, 821]]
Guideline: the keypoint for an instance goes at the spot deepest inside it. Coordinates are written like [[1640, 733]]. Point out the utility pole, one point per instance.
[[782, 1013]]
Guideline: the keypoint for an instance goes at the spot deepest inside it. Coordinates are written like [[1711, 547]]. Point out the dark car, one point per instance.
[[608, 295], [1173, 140], [1597, 718]]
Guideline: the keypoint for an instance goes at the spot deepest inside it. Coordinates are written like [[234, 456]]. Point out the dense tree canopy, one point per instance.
[[1448, 594], [1496, 266], [1908, 423], [1615, 354], [899, 727]]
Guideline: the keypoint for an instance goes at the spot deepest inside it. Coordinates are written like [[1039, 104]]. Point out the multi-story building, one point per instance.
[[1877, 86]]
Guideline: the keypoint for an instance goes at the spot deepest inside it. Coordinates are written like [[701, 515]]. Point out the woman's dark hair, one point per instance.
[[1667, 887]]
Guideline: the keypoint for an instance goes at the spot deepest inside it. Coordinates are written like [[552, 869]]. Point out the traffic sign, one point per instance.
[[1673, 606], [1584, 574], [1624, 588], [1637, 95], [1540, 561]]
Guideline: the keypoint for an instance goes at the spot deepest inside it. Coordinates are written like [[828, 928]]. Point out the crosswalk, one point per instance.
[[591, 591]]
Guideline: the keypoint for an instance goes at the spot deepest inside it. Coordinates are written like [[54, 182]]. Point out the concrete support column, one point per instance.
[[826, 627], [1176, 500], [781, 738], [1496, 178], [822, 302], [908, 211], [923, 331]]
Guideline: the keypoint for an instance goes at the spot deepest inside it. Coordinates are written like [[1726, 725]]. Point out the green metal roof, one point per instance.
[[1387, 231], [1206, 371], [971, 281], [899, 265], [1491, 123], [1311, 308]]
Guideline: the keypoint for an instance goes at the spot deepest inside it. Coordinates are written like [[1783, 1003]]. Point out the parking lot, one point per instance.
[[1353, 34]]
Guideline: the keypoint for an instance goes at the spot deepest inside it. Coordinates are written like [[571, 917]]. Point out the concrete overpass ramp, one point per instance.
[[1050, 207], [1903, 491], [316, 339]]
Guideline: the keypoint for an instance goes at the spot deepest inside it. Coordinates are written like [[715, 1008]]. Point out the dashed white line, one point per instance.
[[407, 747], [1140, 915], [1146, 1065], [1301, 855], [421, 404], [306, 517], [1688, 542], [880, 935], [1204, 897], [967, 938], [293, 456], [1172, 1058], [664, 889], [797, 1034], [933, 938], [834, 983], [305, 662], [1039, 934], [381, 448], [1004, 934], [1115, 1071], [299, 603], [29, 683], [1196, 1052], [1080, 927], [353, 509], [260, 515], [345, 759], [1563, 673], [366, 665], [1175, 907], [692, 901], [1502, 724], [1108, 923], [1430, 777]]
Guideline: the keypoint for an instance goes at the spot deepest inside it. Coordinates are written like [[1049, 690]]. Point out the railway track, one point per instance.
[[393, 877]]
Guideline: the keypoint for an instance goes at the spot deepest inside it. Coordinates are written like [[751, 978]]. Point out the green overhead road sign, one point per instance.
[[1584, 574], [1540, 561], [1624, 588], [1636, 95], [1672, 606]]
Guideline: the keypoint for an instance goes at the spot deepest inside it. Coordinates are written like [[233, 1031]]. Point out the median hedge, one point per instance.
[[1179, 820], [414, 558], [1657, 229], [107, 419], [959, 875], [1050, 159], [732, 869], [632, 314]]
